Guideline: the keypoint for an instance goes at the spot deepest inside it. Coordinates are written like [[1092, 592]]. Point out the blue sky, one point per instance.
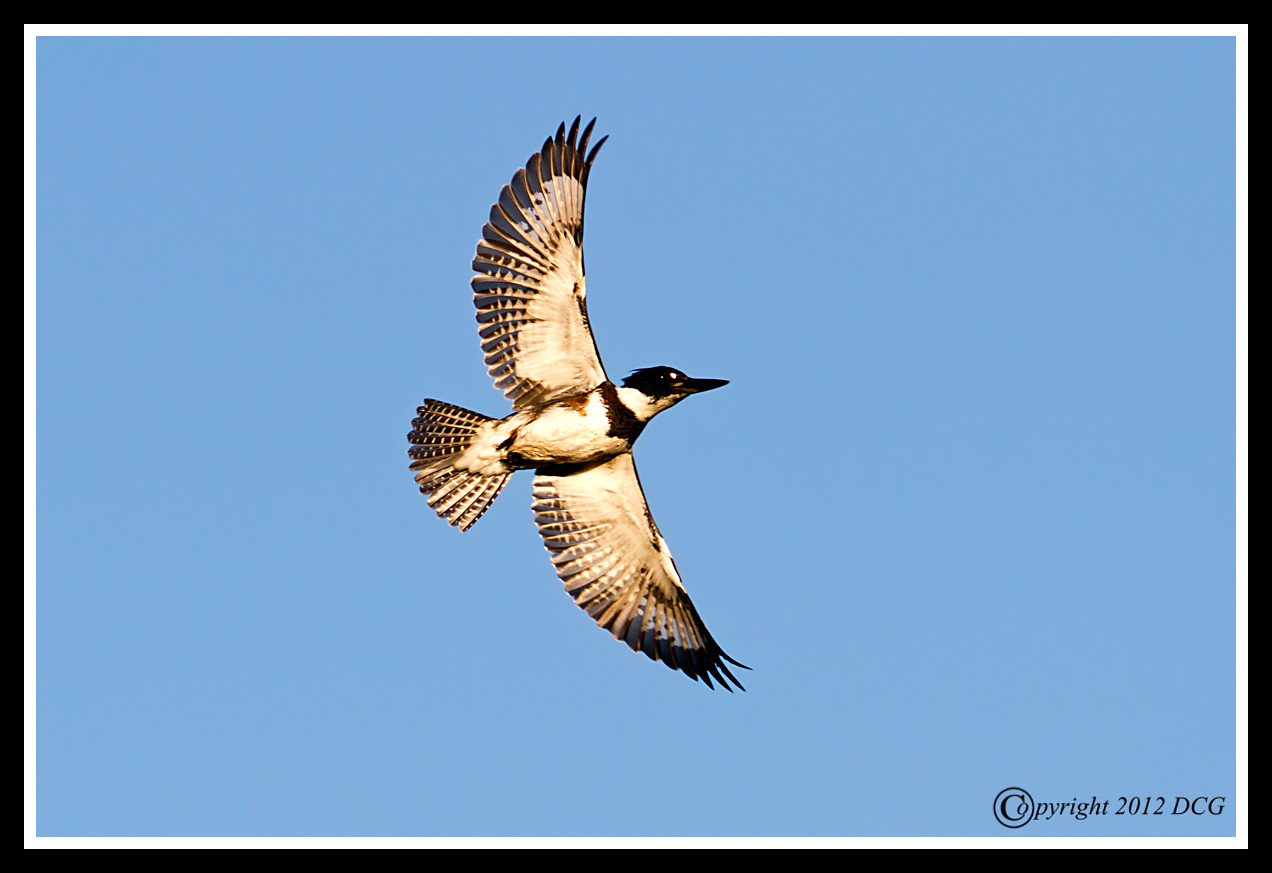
[[966, 507]]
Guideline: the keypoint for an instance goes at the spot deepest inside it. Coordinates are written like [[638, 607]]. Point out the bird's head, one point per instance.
[[650, 390]]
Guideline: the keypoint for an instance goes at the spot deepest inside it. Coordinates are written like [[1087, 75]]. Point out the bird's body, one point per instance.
[[572, 425], [578, 429]]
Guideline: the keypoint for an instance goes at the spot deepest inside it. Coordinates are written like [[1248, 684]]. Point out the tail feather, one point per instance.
[[440, 432]]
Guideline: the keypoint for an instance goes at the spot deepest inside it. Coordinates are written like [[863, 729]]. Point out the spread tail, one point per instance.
[[440, 433]]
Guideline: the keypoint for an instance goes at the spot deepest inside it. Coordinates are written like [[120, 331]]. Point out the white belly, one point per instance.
[[563, 436], [567, 434]]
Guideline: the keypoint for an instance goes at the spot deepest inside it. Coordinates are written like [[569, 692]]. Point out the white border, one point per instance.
[[1239, 31]]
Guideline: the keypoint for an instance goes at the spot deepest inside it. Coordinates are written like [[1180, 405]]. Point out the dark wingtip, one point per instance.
[[596, 148], [587, 134], [724, 669]]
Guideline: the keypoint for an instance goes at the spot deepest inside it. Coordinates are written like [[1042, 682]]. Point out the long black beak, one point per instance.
[[697, 386]]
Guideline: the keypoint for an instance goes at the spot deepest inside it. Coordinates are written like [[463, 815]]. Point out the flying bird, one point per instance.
[[571, 424]]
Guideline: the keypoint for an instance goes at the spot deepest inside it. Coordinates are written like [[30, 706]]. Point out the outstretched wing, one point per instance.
[[616, 565], [529, 289]]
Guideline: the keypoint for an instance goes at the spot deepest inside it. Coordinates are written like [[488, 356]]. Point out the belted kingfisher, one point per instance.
[[572, 425]]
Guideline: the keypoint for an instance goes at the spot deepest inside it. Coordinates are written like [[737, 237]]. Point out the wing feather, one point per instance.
[[614, 562], [530, 291]]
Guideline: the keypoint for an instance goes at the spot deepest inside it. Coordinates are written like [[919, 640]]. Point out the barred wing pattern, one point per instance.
[[616, 565], [529, 289]]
